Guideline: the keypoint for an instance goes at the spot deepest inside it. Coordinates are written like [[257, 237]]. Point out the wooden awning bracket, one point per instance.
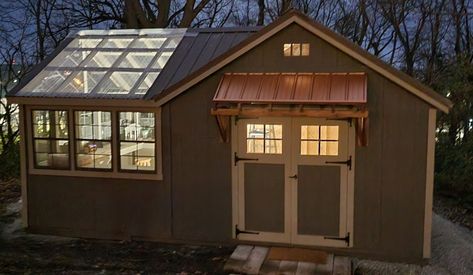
[[361, 130], [223, 123]]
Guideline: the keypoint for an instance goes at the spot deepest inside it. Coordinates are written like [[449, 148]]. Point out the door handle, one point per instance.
[[293, 177]]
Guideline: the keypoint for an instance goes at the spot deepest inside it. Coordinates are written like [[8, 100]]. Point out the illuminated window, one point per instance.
[[50, 139], [137, 141], [319, 140], [93, 139], [264, 138], [296, 49]]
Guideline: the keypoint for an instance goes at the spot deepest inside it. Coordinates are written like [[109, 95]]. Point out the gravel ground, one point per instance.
[[452, 253]]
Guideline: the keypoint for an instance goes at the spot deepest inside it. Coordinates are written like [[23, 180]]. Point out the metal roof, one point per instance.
[[293, 88], [194, 52], [126, 64]]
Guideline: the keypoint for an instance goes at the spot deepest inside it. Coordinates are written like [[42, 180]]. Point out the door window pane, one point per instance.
[[319, 140], [264, 138]]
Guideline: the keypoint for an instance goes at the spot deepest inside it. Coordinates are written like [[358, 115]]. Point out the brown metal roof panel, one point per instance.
[[303, 87], [321, 88], [338, 88], [236, 87], [269, 84], [357, 87], [286, 85], [252, 88]]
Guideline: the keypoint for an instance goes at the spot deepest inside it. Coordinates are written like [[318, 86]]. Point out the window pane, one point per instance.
[[60, 146], [255, 131], [42, 146], [273, 146], [103, 161], [85, 161], [255, 146], [83, 82], [60, 161], [138, 60], [146, 83], [309, 132], [120, 83], [94, 154], [41, 124], [42, 159], [103, 59], [329, 148], [137, 126], [287, 49], [273, 131], [329, 132], [296, 49], [102, 132], [305, 49], [61, 129], [69, 58], [148, 43], [93, 125], [309, 148], [137, 156]]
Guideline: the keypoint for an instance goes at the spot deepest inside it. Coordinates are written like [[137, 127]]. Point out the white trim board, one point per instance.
[[332, 41], [429, 183]]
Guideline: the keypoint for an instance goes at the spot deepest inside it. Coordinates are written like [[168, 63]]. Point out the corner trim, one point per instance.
[[429, 183]]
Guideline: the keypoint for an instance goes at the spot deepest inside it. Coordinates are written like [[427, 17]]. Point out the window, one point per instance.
[[264, 138], [296, 49], [319, 140], [93, 139], [137, 141], [50, 139]]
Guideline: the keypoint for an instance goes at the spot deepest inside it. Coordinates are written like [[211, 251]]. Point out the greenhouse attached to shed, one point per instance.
[[288, 135]]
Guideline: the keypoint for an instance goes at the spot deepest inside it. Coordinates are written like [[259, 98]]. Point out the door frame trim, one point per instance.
[[350, 184]]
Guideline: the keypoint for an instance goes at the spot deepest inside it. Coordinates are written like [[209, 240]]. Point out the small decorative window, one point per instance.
[[296, 49], [93, 139], [50, 139], [264, 138], [319, 140], [137, 141]]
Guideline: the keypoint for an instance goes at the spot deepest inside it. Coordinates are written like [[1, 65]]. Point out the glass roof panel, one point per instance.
[[119, 83], [69, 58], [148, 43], [47, 81], [83, 82], [162, 60], [84, 43], [107, 62], [103, 59], [137, 60], [115, 43], [146, 83]]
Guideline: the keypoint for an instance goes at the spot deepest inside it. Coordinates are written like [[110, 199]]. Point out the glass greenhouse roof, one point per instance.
[[114, 63]]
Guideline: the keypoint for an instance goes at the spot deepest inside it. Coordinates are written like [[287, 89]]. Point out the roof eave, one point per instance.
[[336, 40]]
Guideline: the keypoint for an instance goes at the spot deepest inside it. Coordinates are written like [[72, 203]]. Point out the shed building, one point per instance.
[[288, 135]]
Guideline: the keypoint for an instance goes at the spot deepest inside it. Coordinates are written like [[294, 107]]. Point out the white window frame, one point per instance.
[[115, 172]]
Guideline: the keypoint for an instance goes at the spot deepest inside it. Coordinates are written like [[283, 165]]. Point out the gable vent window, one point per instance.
[[296, 49]]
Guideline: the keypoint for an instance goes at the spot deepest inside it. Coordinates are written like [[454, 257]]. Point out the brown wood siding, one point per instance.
[[389, 175]]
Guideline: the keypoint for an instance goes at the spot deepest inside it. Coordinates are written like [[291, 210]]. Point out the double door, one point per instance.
[[293, 181]]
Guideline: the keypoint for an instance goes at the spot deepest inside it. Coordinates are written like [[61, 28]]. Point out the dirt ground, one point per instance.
[[33, 254]]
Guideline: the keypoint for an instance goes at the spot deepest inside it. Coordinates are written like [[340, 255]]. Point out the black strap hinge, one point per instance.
[[346, 238], [238, 232]]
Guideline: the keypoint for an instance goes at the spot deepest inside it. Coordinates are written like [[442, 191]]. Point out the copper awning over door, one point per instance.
[[293, 88], [323, 95]]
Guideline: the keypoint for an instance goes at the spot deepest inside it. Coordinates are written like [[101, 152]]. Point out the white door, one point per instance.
[[291, 181], [321, 161], [263, 185]]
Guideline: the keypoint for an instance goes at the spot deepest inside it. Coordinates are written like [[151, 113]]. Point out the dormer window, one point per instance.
[[296, 49]]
